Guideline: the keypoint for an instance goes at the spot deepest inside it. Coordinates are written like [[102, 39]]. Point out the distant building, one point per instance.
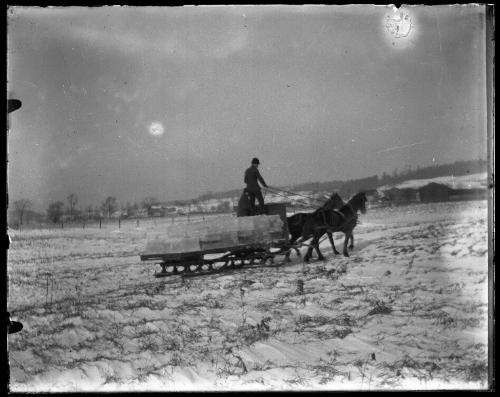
[[141, 213], [434, 192], [401, 196], [372, 195], [156, 210], [119, 214], [468, 194]]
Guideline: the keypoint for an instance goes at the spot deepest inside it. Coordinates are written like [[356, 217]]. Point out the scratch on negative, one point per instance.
[[400, 147], [439, 34]]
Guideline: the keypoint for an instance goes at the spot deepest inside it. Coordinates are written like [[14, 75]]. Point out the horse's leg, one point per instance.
[[332, 243], [309, 252], [347, 236], [293, 240], [351, 246], [320, 255], [316, 246]]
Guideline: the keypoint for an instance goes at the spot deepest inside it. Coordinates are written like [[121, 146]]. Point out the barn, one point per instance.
[[468, 194], [434, 192], [401, 196], [372, 195]]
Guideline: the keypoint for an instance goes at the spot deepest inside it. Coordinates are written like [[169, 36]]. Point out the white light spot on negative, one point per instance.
[[399, 29], [156, 128]]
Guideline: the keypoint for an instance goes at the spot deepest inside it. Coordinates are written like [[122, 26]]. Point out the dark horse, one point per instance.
[[296, 221], [330, 220]]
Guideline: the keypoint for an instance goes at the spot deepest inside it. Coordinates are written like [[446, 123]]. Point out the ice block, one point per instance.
[[217, 232], [179, 245]]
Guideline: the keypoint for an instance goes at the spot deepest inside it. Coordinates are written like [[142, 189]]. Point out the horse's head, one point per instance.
[[358, 202], [334, 202]]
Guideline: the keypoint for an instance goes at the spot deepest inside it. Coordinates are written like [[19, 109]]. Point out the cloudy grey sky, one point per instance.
[[174, 102]]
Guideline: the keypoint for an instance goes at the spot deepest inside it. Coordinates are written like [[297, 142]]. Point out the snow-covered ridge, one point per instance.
[[471, 181]]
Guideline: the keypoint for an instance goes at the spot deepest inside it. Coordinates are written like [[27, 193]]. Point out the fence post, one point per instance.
[[119, 222], [100, 220], [62, 225], [137, 222], [47, 290]]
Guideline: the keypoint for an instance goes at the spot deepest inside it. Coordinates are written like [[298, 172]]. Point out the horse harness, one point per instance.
[[331, 212]]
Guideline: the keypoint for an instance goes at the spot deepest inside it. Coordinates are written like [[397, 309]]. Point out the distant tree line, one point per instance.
[[348, 187], [57, 211], [219, 195], [66, 211], [21, 210], [457, 168]]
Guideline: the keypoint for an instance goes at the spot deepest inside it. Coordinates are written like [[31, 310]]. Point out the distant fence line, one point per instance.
[[104, 223], [115, 223], [118, 223]]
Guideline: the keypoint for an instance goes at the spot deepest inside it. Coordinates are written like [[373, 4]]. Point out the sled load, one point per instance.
[[220, 243]]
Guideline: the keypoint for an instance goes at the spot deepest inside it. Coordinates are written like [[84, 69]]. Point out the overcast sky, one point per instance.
[[174, 102]]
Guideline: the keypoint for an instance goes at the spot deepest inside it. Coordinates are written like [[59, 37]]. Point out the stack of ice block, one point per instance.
[[173, 246], [219, 232]]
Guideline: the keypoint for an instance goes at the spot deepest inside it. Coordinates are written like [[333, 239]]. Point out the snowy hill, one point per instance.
[[471, 181]]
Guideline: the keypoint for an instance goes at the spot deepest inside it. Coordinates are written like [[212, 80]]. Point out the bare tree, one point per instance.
[[72, 201], [109, 205], [20, 207], [90, 212], [55, 211], [148, 202]]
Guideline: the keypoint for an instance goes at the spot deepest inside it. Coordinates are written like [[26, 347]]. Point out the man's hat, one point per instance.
[[255, 160], [13, 104]]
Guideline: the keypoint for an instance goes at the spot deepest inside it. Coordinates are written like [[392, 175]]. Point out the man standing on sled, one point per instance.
[[252, 177]]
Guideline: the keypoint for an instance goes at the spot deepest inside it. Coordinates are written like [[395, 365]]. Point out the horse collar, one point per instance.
[[340, 213]]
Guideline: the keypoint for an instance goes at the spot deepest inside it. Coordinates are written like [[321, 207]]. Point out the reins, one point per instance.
[[288, 193]]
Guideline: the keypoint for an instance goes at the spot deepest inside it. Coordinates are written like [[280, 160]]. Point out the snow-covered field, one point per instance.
[[408, 309]]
